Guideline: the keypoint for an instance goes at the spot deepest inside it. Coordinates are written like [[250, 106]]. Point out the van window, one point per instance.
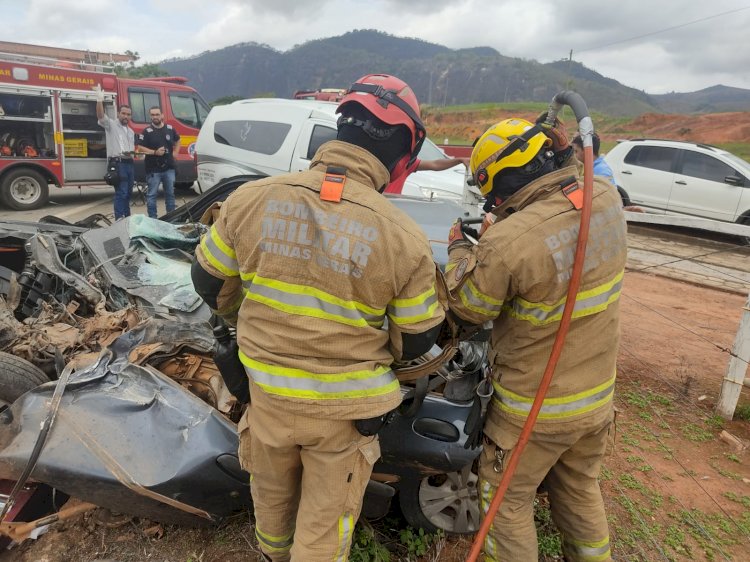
[[263, 137], [320, 134], [703, 166], [187, 109], [141, 101], [654, 157]]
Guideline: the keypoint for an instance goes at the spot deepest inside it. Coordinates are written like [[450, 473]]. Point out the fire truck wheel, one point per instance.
[[24, 189]]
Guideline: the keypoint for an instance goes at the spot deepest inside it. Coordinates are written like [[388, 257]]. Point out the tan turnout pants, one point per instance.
[[569, 464], [308, 478]]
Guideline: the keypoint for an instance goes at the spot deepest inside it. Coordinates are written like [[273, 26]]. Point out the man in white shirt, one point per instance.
[[120, 140]]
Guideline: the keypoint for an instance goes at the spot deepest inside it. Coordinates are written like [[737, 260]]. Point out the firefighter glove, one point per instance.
[[457, 237], [556, 133], [475, 421]]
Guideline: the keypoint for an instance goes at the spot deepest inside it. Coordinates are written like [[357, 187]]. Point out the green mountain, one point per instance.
[[438, 75]]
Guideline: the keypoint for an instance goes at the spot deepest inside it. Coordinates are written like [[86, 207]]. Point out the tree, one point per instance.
[[225, 100], [143, 71]]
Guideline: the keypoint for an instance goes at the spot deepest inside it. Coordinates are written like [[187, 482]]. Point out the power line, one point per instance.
[[662, 30]]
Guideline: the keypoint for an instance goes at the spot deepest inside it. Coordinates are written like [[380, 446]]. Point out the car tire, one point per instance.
[[746, 221], [449, 502], [24, 189], [184, 186], [17, 377], [624, 196]]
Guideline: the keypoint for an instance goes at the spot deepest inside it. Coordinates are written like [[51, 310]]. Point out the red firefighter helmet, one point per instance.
[[392, 101]]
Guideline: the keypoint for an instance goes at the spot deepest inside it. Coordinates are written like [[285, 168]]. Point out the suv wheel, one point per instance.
[[445, 501]]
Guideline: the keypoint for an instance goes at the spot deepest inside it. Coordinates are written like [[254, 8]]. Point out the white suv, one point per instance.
[[683, 178], [268, 137]]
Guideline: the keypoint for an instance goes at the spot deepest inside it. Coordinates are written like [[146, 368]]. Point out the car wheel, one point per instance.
[[18, 376], [624, 196], [746, 221], [184, 186], [24, 189], [445, 501]]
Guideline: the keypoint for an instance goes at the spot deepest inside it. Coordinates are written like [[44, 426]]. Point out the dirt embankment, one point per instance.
[[712, 128]]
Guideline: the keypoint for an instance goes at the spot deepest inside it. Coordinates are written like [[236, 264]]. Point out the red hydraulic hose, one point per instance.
[[557, 347]]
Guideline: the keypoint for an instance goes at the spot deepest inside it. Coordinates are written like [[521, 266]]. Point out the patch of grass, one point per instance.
[[418, 541], [645, 416], [743, 500], [366, 547], [742, 412], [632, 441], [548, 537], [675, 539], [693, 432], [715, 422], [732, 457], [605, 474]]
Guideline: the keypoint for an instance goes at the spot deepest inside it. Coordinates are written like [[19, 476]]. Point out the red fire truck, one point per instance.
[[49, 132]]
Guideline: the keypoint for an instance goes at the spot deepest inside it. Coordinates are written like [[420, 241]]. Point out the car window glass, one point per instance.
[[140, 102], [655, 157], [320, 134], [263, 137], [705, 167], [430, 151], [203, 110], [183, 109]]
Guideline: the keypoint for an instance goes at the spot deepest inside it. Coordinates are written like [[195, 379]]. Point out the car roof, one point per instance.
[[675, 143]]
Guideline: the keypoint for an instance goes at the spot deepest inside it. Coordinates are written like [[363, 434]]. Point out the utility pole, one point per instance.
[[570, 70], [734, 378]]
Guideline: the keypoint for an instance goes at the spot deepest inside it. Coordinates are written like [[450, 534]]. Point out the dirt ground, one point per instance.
[[713, 128], [673, 489]]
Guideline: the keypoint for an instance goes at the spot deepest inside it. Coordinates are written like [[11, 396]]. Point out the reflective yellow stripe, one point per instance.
[[450, 266], [271, 543], [346, 530], [594, 551], [587, 303], [485, 499], [476, 301], [298, 383], [219, 254], [303, 300], [555, 408], [415, 309]]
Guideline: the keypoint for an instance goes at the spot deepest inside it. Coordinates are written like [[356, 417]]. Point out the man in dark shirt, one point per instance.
[[159, 142]]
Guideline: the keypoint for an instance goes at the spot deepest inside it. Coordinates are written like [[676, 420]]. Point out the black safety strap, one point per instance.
[[518, 142], [386, 96]]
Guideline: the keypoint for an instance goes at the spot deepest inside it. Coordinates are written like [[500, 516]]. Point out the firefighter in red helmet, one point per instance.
[[306, 266]]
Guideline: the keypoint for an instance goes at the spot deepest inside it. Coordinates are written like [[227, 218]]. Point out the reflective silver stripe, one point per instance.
[[587, 551], [476, 304], [346, 526], [275, 543], [353, 315], [423, 309], [490, 546], [583, 307], [211, 247], [297, 383], [555, 407], [320, 385]]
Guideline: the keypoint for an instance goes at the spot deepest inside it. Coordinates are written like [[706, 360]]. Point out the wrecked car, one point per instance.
[[144, 424]]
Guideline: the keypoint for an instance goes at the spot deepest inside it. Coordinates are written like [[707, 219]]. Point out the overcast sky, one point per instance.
[[647, 44]]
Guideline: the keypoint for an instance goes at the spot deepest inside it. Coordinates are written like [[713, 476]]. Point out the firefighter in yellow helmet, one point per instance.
[[517, 278], [313, 266]]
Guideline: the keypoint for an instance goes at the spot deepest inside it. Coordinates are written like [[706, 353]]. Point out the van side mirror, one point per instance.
[[735, 180]]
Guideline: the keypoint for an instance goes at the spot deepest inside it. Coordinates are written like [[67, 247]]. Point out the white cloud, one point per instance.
[[686, 58]]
